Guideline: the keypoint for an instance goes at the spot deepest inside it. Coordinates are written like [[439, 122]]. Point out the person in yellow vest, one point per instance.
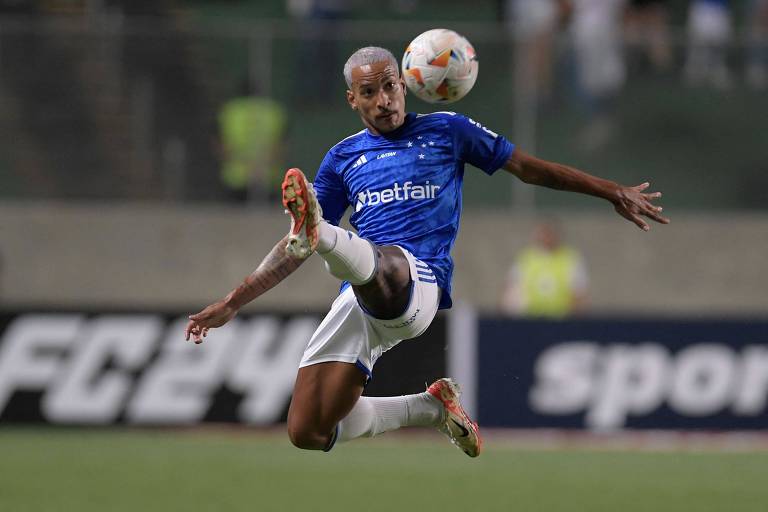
[[251, 130], [547, 279]]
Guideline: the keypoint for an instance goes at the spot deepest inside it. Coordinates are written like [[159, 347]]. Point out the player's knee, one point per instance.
[[307, 439]]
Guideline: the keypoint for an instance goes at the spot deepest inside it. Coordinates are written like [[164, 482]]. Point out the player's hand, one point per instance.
[[215, 315], [634, 204]]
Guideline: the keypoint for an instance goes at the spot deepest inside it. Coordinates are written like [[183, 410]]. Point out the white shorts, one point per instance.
[[351, 335]]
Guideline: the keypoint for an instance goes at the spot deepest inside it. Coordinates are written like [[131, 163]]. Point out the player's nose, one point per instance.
[[384, 100]]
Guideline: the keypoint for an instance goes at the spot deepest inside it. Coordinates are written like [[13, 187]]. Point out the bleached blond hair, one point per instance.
[[367, 55]]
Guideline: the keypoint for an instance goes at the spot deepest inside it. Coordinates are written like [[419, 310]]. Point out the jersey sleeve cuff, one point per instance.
[[502, 157]]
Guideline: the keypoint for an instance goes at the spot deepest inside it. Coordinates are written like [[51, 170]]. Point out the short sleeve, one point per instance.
[[479, 146], [330, 191]]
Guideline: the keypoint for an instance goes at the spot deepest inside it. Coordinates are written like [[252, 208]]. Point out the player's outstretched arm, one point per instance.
[[631, 203], [276, 266]]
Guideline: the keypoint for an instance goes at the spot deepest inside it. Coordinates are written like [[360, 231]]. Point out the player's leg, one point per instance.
[[380, 275], [386, 296], [400, 297], [333, 371], [324, 394], [327, 408], [351, 335], [320, 414]]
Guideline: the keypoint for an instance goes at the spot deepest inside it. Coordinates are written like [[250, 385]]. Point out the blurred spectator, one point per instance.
[[547, 279], [534, 25], [318, 9], [403, 7], [596, 28], [647, 26], [757, 49], [318, 47], [251, 130], [709, 31]]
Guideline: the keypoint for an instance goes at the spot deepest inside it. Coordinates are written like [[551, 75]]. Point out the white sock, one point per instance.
[[326, 236], [346, 255], [372, 416]]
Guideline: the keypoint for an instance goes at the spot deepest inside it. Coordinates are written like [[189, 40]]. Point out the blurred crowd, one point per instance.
[[602, 29], [165, 100], [609, 36], [607, 39]]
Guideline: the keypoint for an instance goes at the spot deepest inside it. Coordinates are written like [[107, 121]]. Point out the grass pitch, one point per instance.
[[138, 470]]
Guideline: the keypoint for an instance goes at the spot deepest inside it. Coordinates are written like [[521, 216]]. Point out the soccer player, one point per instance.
[[402, 177]]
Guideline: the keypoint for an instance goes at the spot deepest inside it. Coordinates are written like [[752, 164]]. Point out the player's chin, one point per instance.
[[389, 123]]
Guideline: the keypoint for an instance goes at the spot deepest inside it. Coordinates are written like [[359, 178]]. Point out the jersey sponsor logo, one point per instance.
[[386, 155], [405, 192], [360, 161]]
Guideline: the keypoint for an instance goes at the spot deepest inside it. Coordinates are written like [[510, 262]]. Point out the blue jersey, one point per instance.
[[405, 186]]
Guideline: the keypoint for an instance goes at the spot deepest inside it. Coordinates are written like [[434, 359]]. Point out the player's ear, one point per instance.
[[351, 99], [402, 84]]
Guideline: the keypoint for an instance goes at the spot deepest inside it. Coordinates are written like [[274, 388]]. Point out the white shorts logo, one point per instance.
[[405, 192]]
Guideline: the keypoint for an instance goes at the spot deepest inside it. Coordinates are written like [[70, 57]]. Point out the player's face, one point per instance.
[[378, 95]]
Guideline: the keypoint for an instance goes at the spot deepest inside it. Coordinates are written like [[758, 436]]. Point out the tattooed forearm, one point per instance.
[[275, 267]]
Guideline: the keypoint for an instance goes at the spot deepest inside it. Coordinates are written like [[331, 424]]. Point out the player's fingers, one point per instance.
[[205, 331], [639, 222], [653, 211], [643, 186], [654, 195], [189, 329], [658, 218]]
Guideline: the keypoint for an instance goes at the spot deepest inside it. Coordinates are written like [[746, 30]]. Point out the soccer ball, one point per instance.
[[440, 66]]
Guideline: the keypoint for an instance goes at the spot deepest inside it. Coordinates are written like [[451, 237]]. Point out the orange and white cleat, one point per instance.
[[462, 431], [301, 204]]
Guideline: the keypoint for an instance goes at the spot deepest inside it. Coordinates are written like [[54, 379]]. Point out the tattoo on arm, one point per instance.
[[275, 267]]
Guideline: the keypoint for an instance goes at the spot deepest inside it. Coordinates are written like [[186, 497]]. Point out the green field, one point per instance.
[[85, 470]]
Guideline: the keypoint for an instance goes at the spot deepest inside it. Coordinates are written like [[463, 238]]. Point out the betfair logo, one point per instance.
[[405, 192]]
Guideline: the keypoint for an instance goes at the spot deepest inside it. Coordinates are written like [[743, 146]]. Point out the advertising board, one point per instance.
[[101, 369], [607, 374]]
